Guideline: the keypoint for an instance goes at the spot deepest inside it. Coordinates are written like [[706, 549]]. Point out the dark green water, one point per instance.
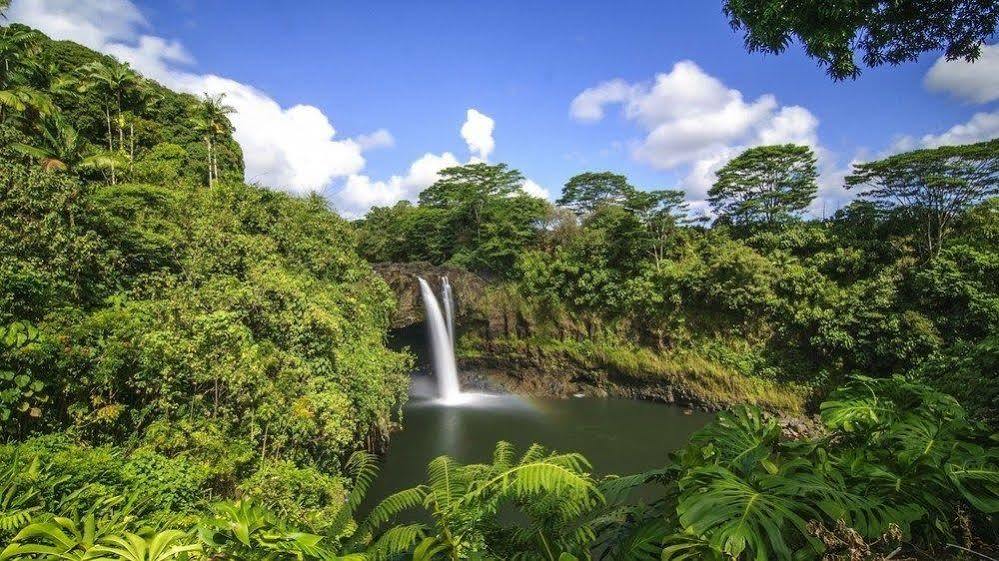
[[618, 436]]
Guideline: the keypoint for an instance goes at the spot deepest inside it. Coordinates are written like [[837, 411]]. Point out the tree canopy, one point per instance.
[[936, 185], [831, 31], [585, 192], [768, 184]]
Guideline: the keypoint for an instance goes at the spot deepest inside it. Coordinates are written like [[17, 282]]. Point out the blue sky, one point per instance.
[[414, 69]]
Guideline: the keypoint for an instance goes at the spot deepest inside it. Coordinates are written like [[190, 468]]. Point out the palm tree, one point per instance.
[[112, 82], [211, 119], [61, 148], [116, 84], [18, 65]]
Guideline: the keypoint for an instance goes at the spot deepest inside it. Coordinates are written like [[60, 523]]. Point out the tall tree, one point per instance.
[[488, 220], [19, 68], [885, 32], [767, 184], [470, 187], [585, 192], [112, 82], [116, 85], [211, 119], [662, 212], [937, 185]]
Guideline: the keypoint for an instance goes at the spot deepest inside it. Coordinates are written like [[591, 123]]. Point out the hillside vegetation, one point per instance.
[[192, 368], [209, 336], [905, 280]]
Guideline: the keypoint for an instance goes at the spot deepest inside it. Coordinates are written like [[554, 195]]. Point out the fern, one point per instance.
[[388, 508], [400, 539]]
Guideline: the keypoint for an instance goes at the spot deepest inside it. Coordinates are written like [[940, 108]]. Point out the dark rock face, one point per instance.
[[549, 375], [468, 289]]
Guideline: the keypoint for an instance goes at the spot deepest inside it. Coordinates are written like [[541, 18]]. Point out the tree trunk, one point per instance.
[[107, 115], [208, 143]]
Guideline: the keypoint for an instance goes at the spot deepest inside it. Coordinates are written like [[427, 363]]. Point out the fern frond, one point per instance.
[[397, 540], [392, 505]]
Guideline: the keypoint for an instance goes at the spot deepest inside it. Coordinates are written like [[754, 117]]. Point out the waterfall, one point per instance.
[[448, 299], [442, 348]]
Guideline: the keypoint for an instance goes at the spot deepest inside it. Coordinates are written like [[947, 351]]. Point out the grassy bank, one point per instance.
[[610, 364]]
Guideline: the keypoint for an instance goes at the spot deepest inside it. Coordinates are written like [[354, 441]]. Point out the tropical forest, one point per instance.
[[711, 338]]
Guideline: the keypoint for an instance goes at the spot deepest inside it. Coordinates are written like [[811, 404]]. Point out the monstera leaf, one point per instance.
[[869, 406], [737, 516], [975, 475], [737, 439]]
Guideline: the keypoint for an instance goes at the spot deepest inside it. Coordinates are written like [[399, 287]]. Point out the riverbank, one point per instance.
[[554, 368]]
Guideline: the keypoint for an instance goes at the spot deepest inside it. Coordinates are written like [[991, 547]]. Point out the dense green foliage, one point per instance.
[[193, 368], [475, 216], [149, 301], [903, 281], [883, 32], [766, 184], [896, 465]]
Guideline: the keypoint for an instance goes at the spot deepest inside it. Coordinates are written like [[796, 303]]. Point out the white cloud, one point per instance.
[[692, 120], [381, 138], [360, 192], [93, 23], [535, 190], [974, 81], [292, 148], [478, 133], [981, 126], [589, 105]]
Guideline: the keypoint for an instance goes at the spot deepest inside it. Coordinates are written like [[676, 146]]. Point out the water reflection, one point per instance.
[[618, 436]]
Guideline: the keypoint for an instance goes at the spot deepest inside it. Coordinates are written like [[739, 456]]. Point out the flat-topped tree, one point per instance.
[[884, 32], [765, 185], [936, 185], [585, 192], [662, 212]]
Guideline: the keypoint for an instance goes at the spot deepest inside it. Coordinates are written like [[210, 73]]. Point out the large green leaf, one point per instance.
[[736, 516]]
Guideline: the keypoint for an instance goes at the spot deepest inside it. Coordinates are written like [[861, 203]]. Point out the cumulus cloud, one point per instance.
[[93, 23], [292, 148], [535, 190], [981, 126], [360, 192], [381, 138], [589, 105], [691, 119], [478, 133], [973, 81]]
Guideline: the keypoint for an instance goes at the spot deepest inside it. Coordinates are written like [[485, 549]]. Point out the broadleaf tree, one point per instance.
[[765, 184], [831, 31], [936, 185]]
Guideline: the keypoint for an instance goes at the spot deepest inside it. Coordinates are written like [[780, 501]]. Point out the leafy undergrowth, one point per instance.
[[689, 371], [898, 473]]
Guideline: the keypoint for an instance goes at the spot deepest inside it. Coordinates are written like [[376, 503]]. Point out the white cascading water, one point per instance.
[[442, 349], [448, 299]]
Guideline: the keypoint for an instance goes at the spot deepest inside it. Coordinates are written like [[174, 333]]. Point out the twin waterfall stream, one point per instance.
[[441, 329]]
